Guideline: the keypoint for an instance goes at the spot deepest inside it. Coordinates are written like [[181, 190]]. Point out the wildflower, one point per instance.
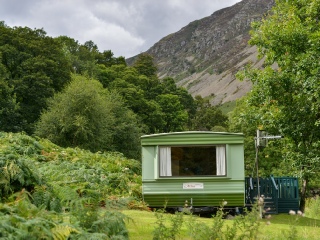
[[224, 203], [268, 216], [260, 201], [291, 212], [300, 213]]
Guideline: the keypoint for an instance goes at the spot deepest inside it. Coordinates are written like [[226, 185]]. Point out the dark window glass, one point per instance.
[[192, 161]]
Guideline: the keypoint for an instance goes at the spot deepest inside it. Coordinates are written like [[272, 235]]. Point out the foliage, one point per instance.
[[67, 188], [9, 107], [272, 227], [48, 170], [244, 226], [162, 231], [145, 65], [30, 67], [20, 219], [17, 171], [285, 95], [313, 208], [160, 104], [35, 70], [86, 115], [246, 119], [173, 115], [86, 58], [208, 117]]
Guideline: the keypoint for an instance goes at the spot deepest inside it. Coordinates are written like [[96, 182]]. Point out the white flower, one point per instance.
[[268, 216], [291, 212], [260, 201]]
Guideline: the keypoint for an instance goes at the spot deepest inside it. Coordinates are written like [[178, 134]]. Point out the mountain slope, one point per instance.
[[204, 56]]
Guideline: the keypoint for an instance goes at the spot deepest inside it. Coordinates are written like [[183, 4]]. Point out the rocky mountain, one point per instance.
[[204, 56]]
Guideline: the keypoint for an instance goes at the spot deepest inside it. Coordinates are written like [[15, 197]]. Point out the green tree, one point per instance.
[[86, 59], [127, 128], [35, 67], [286, 92], [88, 116], [145, 65], [9, 109], [246, 118], [207, 116], [146, 68], [147, 96], [174, 117], [167, 85]]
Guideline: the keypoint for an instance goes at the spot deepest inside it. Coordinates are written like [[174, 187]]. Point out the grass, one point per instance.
[[285, 226], [227, 107], [281, 226]]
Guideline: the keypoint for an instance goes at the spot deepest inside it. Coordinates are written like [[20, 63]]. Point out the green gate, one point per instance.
[[281, 194], [288, 194]]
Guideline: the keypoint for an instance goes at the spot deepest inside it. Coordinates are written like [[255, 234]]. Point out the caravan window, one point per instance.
[[184, 161]]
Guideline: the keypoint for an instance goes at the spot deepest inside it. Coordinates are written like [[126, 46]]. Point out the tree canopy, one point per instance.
[[88, 116], [32, 67], [36, 98], [285, 96]]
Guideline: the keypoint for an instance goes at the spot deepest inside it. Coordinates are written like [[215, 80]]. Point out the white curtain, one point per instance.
[[165, 161], [221, 159]]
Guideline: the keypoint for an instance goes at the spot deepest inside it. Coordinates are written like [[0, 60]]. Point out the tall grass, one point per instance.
[[313, 208]]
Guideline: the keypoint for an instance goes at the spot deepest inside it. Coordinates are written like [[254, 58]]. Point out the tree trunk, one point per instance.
[[303, 195]]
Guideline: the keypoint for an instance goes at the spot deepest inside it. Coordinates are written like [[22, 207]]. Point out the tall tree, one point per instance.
[[88, 116], [174, 116], [247, 118], [148, 96], [207, 117], [35, 67], [286, 92], [86, 58], [145, 65]]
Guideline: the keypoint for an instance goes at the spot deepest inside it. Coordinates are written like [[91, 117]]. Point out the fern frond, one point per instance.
[[93, 236], [62, 232], [65, 193]]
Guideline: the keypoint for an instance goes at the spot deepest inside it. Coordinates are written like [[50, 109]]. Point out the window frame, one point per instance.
[[193, 176]]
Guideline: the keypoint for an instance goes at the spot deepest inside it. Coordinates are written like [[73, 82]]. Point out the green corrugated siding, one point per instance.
[[199, 200], [185, 138], [213, 192]]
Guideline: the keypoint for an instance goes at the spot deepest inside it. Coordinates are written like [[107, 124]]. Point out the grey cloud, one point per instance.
[[126, 27]]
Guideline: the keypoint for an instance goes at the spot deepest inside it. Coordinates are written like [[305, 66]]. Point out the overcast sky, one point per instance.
[[126, 27]]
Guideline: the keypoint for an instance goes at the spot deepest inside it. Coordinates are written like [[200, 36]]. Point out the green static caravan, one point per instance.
[[199, 168]]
